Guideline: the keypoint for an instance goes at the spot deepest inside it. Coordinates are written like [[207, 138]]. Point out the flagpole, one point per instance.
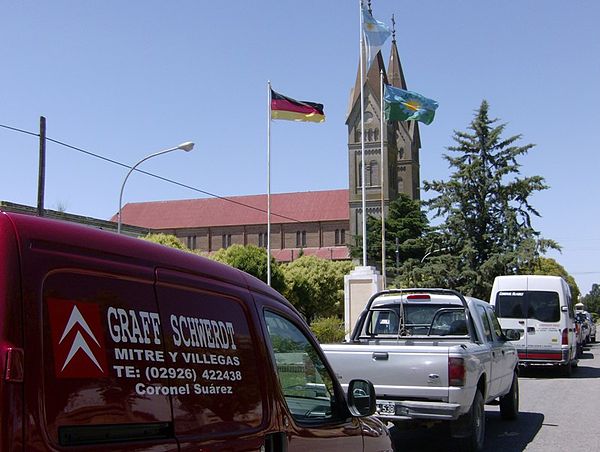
[[382, 172], [269, 182], [362, 141]]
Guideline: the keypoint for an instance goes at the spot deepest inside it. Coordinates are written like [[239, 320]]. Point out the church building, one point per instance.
[[320, 223]]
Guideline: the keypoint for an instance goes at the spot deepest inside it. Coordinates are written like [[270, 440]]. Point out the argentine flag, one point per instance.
[[375, 33]]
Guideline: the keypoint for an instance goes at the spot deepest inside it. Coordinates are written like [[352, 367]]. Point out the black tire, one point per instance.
[[567, 369], [509, 403], [476, 438]]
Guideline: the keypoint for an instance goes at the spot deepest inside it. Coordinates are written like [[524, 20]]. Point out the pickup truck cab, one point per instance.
[[432, 355], [114, 343]]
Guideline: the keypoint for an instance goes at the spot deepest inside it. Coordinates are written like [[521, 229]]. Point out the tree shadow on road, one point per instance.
[[507, 436]]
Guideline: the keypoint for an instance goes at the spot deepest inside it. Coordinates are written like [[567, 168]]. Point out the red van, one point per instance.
[[112, 342]]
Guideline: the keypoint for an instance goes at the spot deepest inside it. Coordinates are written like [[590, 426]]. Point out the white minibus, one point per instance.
[[541, 309]]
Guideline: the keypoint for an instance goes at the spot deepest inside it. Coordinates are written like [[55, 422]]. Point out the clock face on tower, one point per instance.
[[368, 116]]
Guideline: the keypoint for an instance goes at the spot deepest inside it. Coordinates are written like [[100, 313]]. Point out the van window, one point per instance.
[[539, 305], [306, 384]]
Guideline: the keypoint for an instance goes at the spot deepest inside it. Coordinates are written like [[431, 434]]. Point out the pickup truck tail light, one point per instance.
[[456, 371], [565, 336]]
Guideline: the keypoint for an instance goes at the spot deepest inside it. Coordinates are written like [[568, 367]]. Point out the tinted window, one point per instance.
[[305, 382], [540, 305]]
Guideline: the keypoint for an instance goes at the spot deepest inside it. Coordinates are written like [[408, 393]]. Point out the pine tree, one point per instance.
[[406, 224], [487, 228]]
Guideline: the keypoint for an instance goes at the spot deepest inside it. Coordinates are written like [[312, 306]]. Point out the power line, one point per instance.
[[165, 179]]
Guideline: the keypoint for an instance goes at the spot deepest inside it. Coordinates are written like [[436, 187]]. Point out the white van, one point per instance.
[[541, 309]]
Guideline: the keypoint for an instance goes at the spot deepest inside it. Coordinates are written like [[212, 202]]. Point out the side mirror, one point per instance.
[[361, 398], [564, 308], [512, 335]]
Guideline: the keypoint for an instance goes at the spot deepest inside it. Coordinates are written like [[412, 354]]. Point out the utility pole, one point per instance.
[[42, 168]]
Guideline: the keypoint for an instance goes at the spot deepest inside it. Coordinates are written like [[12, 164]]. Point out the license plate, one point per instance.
[[386, 408]]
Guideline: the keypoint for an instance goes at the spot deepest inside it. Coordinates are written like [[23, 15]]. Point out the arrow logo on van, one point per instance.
[[77, 339], [79, 343]]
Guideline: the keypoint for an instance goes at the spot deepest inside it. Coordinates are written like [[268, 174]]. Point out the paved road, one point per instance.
[[556, 413]]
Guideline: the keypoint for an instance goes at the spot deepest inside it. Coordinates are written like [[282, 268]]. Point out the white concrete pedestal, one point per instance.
[[359, 285]]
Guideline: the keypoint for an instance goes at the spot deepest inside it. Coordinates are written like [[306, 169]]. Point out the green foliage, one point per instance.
[[252, 260], [548, 266], [315, 286], [166, 240], [592, 300], [487, 229], [328, 329], [406, 223]]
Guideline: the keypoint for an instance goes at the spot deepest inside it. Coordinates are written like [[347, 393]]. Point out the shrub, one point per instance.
[[328, 329]]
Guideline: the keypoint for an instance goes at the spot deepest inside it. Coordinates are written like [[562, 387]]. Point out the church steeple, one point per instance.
[[397, 169], [395, 74], [370, 80]]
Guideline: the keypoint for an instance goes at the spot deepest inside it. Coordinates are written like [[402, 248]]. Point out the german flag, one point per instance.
[[283, 107]]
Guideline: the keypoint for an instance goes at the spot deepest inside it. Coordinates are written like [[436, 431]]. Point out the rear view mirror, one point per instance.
[[361, 398], [512, 335]]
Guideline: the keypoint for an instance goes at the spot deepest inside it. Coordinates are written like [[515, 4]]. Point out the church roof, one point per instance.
[[312, 206]]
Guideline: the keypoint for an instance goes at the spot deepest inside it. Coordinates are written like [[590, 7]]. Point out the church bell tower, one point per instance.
[[401, 145]]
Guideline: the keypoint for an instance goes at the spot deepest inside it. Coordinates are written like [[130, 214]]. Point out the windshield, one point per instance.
[[540, 305]]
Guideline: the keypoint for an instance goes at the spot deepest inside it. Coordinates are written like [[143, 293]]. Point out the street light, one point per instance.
[[187, 146], [431, 252]]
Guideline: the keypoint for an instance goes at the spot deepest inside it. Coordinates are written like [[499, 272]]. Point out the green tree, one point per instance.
[[548, 266], [405, 223], [252, 260], [315, 286], [328, 329], [486, 210], [166, 240], [592, 300]]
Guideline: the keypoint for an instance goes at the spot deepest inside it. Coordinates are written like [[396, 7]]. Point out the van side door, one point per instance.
[[215, 364], [313, 408]]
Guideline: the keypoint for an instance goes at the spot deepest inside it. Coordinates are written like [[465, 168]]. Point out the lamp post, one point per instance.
[[187, 146], [431, 252]]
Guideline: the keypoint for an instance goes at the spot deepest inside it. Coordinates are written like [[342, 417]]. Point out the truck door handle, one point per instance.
[[380, 355]]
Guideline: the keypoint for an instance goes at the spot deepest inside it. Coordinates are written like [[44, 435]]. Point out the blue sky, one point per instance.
[[125, 79]]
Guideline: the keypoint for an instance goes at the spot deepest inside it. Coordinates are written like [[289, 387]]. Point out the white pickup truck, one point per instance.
[[432, 355]]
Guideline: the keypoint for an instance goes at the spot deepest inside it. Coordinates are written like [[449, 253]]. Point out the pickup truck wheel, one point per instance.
[[509, 403], [567, 369], [474, 442]]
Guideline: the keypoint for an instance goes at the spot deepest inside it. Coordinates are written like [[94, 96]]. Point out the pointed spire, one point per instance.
[[395, 74], [370, 80]]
